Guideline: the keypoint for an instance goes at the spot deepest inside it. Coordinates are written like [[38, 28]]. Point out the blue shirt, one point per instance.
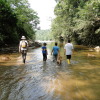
[[55, 50], [44, 49]]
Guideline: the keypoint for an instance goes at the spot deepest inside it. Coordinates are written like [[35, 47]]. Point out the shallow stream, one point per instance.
[[38, 80]]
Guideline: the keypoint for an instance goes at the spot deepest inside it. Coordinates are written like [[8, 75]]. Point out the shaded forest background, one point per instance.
[[16, 19], [78, 20]]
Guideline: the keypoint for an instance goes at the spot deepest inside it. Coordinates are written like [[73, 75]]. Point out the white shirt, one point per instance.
[[68, 47], [21, 48]]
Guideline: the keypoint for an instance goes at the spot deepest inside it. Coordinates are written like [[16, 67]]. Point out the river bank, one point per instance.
[[15, 48]]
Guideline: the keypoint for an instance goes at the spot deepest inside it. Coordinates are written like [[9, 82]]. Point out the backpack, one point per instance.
[[23, 44]]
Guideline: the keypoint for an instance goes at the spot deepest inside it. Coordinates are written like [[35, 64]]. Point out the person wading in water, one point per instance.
[[55, 51], [44, 52], [23, 47], [68, 51]]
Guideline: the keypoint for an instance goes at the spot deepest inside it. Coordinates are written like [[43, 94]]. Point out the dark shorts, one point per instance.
[[55, 57], [24, 51], [44, 56], [68, 56]]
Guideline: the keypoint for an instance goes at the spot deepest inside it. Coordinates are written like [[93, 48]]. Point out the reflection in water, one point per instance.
[[38, 80]]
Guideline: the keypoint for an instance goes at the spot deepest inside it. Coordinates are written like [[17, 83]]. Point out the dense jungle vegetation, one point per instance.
[[16, 19], [78, 20]]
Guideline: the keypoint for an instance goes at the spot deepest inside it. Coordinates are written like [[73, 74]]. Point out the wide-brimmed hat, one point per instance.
[[23, 37]]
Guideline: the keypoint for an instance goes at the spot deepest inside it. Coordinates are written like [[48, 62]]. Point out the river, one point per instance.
[[38, 80]]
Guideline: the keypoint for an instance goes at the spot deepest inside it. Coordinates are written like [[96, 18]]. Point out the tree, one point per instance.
[[17, 19], [8, 22], [78, 20], [88, 25]]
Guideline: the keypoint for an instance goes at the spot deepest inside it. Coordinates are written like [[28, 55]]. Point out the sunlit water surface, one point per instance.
[[38, 80]]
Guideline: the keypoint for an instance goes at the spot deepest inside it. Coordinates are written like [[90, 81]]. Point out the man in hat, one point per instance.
[[23, 47]]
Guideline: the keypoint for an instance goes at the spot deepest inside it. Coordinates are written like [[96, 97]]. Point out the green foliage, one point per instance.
[[17, 19], [88, 23], [8, 22], [78, 20], [43, 35]]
